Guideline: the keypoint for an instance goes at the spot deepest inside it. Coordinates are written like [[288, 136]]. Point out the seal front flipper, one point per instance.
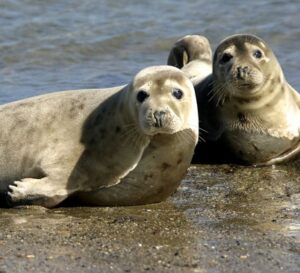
[[43, 191], [113, 142], [283, 158]]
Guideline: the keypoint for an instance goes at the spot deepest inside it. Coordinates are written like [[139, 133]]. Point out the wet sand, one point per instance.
[[221, 219]]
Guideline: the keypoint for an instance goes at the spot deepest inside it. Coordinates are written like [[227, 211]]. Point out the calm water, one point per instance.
[[64, 44]]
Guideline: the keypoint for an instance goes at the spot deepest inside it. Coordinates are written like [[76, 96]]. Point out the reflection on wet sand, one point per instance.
[[292, 226], [231, 197]]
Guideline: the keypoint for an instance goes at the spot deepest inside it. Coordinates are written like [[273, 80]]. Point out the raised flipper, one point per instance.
[[193, 55]]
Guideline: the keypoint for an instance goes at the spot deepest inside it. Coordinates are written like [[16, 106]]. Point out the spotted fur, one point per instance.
[[247, 106], [99, 144]]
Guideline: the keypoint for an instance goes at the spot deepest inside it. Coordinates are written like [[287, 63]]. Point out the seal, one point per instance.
[[138, 138], [248, 110], [193, 55]]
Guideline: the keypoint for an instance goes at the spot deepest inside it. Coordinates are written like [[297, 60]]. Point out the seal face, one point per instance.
[[88, 141], [248, 107], [161, 101], [243, 67], [193, 55]]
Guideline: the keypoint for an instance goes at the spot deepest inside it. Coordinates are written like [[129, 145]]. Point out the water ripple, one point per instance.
[[89, 42]]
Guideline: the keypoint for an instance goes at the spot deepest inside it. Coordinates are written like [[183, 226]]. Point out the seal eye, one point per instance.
[[225, 58], [142, 96], [257, 54], [177, 93]]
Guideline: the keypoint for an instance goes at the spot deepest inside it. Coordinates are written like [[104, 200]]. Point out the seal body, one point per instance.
[[62, 144], [248, 111], [193, 55]]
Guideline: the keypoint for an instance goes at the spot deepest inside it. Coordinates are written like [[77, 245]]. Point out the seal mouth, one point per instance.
[[152, 131], [160, 121], [246, 86], [160, 127], [244, 89]]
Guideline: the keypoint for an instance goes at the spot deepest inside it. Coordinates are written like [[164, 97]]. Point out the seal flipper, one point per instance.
[[193, 55], [43, 191], [282, 158]]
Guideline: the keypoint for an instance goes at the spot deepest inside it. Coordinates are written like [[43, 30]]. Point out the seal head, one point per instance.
[[159, 98], [243, 65]]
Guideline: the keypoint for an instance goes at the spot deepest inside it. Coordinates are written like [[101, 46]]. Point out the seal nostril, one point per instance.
[[242, 72], [245, 69], [239, 73], [159, 116]]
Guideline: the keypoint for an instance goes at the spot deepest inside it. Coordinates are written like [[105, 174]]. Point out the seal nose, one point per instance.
[[159, 117], [242, 72]]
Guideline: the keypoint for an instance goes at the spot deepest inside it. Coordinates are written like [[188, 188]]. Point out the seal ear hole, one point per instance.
[[257, 54], [226, 57], [177, 93], [142, 96]]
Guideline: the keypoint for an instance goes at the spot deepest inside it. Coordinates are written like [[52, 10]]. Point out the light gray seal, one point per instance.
[[134, 143], [193, 55], [249, 112]]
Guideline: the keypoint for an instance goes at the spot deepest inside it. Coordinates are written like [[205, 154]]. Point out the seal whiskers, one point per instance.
[[131, 136], [218, 94], [185, 136]]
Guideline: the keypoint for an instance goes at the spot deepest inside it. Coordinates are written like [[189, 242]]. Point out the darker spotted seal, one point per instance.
[[247, 110]]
